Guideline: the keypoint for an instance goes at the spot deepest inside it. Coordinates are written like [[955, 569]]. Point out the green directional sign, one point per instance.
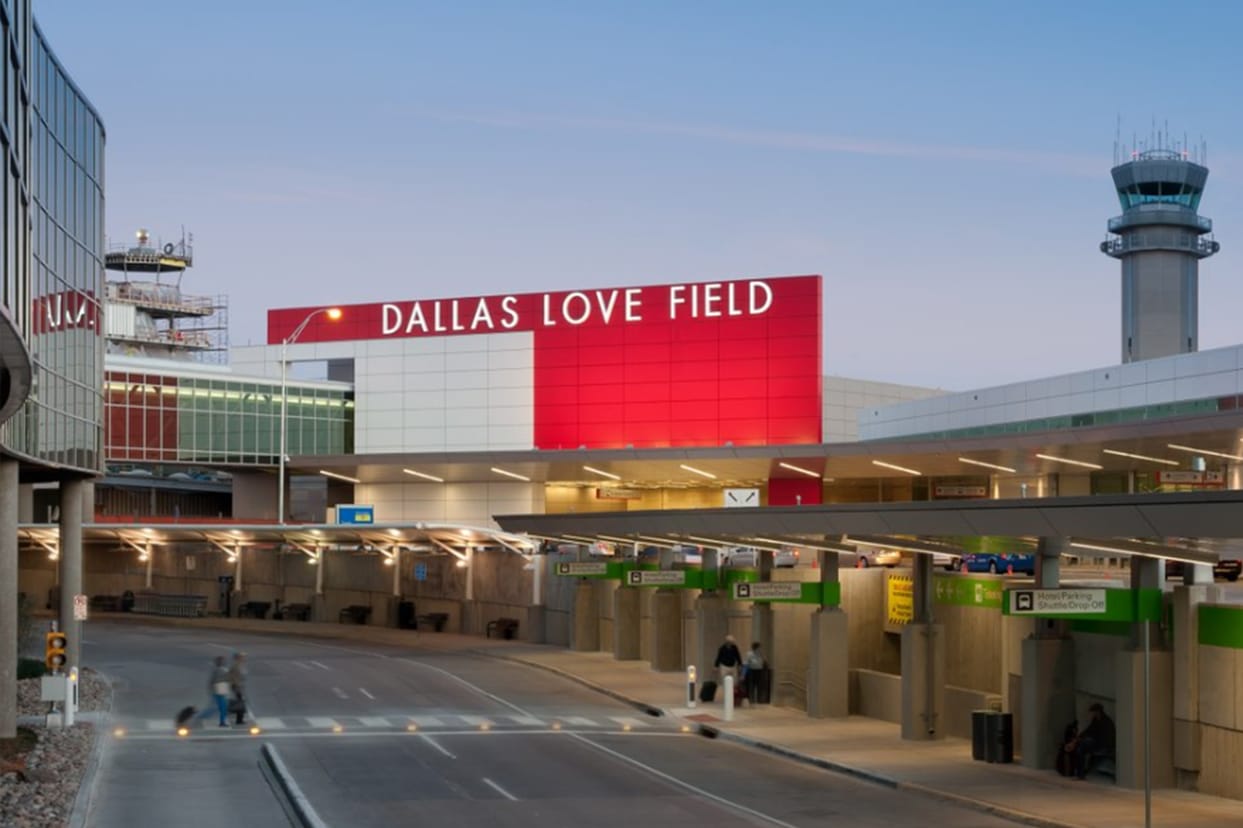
[[657, 578], [790, 592], [961, 591], [1085, 603]]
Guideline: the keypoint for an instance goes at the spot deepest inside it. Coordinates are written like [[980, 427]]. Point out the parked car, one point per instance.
[[998, 562], [867, 556], [1228, 569], [748, 557]]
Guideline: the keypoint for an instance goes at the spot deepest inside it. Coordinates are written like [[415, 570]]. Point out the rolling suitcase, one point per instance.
[[184, 715], [707, 692]]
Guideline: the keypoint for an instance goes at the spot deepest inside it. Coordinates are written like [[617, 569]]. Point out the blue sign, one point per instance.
[[353, 514], [420, 572]]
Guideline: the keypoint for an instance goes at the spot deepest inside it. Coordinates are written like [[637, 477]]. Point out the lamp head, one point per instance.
[[333, 313]]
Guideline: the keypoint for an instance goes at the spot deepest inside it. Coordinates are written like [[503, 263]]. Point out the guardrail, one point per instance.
[[181, 606]]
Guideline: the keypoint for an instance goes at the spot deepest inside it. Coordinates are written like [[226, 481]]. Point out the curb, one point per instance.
[[710, 731], [621, 697], [301, 807], [86, 787]]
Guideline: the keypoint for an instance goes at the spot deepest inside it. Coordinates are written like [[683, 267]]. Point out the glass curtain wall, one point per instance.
[[54, 228]]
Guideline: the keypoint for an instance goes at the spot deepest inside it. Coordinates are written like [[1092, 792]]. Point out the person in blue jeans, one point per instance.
[[218, 686]]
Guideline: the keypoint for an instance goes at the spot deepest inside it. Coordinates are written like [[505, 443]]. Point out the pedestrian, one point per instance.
[[752, 670], [728, 659], [237, 683], [218, 688]]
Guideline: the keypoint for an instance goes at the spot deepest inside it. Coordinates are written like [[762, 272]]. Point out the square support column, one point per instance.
[[9, 511], [70, 564], [586, 637], [923, 682], [667, 655], [626, 623]]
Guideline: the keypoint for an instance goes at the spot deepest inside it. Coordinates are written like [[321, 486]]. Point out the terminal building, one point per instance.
[[619, 469]]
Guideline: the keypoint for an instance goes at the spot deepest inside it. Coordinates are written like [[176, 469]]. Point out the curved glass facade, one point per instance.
[[53, 249]]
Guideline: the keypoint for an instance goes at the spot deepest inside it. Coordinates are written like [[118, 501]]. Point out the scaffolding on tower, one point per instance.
[[147, 313]]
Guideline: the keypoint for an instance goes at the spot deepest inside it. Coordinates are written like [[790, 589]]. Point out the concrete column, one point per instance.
[[70, 566], [150, 553], [828, 680], [1131, 722], [1048, 697], [1234, 476], [319, 605], [828, 675], [923, 681], [1186, 682], [537, 617], [586, 631], [667, 655], [1197, 574], [238, 553], [712, 625], [26, 503], [396, 564], [9, 510], [922, 586], [626, 623], [1049, 562], [762, 617], [88, 501]]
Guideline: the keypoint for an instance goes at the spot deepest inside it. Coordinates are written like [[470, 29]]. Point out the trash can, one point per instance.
[[764, 687], [1001, 738], [127, 601], [979, 734], [405, 616]]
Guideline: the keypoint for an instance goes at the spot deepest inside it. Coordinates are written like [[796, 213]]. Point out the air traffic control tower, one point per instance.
[[1160, 239]]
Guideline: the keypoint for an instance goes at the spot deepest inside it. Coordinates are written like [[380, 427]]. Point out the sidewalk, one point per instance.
[[866, 748]]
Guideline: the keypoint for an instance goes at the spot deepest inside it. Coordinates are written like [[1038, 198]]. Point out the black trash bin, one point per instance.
[[127, 601], [979, 734], [764, 686], [405, 616], [1001, 738]]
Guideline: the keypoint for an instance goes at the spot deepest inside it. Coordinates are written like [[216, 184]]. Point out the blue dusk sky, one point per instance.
[[944, 165]]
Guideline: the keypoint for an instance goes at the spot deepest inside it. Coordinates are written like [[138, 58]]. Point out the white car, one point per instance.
[[868, 556]]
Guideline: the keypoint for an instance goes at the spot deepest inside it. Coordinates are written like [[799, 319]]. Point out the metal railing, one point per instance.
[[181, 606]]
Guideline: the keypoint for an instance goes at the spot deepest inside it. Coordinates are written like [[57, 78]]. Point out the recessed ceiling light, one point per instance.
[[602, 473], [885, 465], [430, 477], [799, 469], [514, 475], [981, 463], [340, 476], [1068, 461], [1140, 457], [1204, 451], [699, 472]]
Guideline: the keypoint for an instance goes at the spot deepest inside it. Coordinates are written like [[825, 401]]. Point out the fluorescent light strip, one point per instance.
[[699, 472], [430, 477], [885, 465], [340, 476], [602, 473], [1140, 457], [514, 475], [1204, 451], [1068, 461], [799, 469], [982, 464], [1096, 548], [802, 544]]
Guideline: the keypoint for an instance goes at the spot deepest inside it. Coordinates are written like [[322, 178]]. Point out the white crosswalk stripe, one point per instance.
[[446, 721]]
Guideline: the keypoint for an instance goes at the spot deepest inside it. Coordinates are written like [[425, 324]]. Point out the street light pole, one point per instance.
[[334, 314]]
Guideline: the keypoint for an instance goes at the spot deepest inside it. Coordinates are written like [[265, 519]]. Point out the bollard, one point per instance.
[[70, 704], [728, 690], [690, 685]]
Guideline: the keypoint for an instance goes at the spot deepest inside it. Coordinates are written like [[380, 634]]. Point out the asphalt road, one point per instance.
[[378, 735]]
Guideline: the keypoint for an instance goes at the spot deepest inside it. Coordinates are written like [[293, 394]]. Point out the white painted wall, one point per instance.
[[469, 503], [845, 401]]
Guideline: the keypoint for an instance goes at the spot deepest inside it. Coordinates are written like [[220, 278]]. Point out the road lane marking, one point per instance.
[[270, 723], [321, 721], [581, 721], [304, 665], [628, 721], [375, 721], [477, 721], [426, 721], [321, 665], [673, 780], [499, 789], [219, 646], [340, 694], [527, 720], [436, 745], [160, 724], [363, 690]]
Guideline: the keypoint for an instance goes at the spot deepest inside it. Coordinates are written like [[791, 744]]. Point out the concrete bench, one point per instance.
[[354, 614], [434, 620], [503, 627], [254, 609], [293, 612]]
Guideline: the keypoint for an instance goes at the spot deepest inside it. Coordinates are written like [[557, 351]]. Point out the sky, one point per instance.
[[944, 165]]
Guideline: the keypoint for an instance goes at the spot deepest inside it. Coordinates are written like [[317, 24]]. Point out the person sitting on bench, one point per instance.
[[1095, 741]]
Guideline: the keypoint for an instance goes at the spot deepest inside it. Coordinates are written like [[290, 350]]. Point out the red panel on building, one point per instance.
[[794, 491], [650, 367]]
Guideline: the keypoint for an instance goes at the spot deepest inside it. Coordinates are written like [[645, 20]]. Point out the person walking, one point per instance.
[[753, 671], [728, 659], [237, 683], [218, 687]]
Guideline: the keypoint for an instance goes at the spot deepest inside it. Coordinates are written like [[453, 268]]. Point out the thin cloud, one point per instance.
[[780, 139]]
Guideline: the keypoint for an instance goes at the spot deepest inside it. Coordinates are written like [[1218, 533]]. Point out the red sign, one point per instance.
[[703, 364], [64, 310]]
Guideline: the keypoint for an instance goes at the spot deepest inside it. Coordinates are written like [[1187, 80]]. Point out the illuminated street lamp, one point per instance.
[[334, 314]]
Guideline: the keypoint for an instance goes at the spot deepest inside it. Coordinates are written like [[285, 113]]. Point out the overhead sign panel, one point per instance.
[[643, 577], [582, 569], [351, 514], [1066, 602]]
